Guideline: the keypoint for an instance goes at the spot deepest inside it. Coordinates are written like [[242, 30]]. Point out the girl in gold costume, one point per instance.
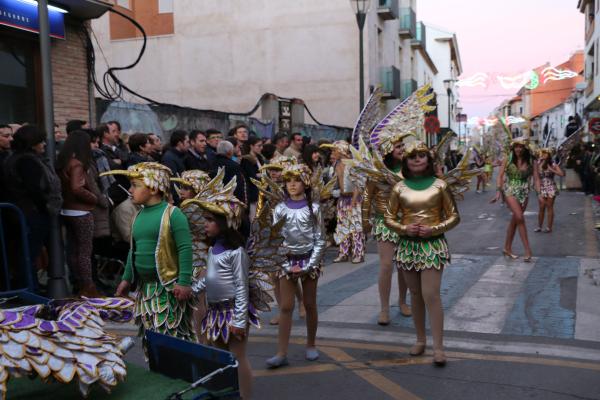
[[421, 209]]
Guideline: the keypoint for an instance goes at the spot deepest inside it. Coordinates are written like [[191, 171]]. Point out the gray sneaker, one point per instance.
[[312, 354], [277, 361]]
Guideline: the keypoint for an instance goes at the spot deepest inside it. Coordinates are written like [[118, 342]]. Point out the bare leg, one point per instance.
[[277, 293], [286, 309], [238, 348], [386, 255], [309, 287], [542, 205], [431, 280], [550, 206], [301, 309], [413, 280], [510, 235], [519, 221]]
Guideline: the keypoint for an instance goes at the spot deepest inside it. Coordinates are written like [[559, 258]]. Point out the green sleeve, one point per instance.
[[183, 242], [128, 273]]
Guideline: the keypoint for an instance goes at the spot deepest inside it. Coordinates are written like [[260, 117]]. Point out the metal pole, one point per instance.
[[360, 19], [57, 287]]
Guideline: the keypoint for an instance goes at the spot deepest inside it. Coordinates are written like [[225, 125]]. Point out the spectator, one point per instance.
[[76, 125], [109, 145], [232, 169], [281, 143], [173, 157], [251, 164], [237, 149], [295, 147], [587, 178], [268, 151], [6, 137], [311, 156], [240, 132], [197, 157], [572, 127], [213, 137], [156, 143], [141, 149], [32, 185], [72, 165]]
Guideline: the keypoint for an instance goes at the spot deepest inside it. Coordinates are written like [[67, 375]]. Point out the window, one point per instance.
[[165, 6], [17, 82], [124, 4]]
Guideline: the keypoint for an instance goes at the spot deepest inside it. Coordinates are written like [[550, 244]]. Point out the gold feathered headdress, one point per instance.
[[405, 120], [340, 145], [300, 171], [194, 178], [280, 163], [154, 175], [218, 198], [415, 147]]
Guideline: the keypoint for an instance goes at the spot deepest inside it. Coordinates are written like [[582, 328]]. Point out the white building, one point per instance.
[[592, 43], [442, 46], [223, 55]]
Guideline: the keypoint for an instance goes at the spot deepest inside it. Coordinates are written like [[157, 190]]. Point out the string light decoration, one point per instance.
[[529, 80], [479, 79], [555, 74]]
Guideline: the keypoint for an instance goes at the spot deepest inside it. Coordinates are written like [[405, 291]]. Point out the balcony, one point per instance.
[[408, 22], [407, 87], [390, 82], [420, 40], [387, 9]]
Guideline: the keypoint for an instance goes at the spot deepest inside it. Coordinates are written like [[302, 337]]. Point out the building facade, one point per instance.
[[225, 55], [20, 63]]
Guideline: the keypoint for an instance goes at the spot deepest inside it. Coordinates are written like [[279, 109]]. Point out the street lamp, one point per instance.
[[448, 86], [459, 117], [360, 8]]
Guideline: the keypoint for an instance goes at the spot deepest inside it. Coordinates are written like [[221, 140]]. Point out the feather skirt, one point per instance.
[[219, 316], [419, 254], [382, 233], [157, 309]]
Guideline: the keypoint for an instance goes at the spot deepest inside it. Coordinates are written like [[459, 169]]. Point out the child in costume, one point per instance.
[[160, 257], [191, 184], [304, 244], [349, 234], [235, 279], [548, 189], [421, 209]]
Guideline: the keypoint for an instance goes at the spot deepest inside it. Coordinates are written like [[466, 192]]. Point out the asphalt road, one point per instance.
[[513, 330]]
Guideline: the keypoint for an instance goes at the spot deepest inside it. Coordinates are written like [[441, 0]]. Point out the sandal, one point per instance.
[[417, 349]]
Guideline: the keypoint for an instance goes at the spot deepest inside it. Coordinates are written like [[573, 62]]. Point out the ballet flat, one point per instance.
[[509, 255]]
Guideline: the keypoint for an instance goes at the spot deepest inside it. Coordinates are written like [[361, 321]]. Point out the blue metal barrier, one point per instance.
[[25, 263]]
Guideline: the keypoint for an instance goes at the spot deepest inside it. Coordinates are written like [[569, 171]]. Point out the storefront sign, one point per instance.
[[23, 14]]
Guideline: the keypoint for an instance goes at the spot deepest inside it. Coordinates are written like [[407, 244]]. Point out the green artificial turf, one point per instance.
[[140, 384]]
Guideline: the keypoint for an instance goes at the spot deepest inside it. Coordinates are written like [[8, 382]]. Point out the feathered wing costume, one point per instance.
[[248, 266], [65, 341]]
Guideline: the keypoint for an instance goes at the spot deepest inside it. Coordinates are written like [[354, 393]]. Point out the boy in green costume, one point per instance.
[[160, 258]]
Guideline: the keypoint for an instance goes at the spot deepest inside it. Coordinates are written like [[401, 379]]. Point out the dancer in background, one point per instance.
[[514, 180], [548, 190]]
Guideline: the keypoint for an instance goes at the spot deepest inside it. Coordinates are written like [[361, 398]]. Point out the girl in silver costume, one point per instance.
[[304, 242]]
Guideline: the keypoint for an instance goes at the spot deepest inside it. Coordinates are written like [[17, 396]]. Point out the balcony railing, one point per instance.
[[408, 22], [390, 82], [408, 87], [420, 39], [387, 9]]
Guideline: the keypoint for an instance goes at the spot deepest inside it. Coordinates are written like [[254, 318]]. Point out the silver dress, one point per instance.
[[304, 237], [227, 294]]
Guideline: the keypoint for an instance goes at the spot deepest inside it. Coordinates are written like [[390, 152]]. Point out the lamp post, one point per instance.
[[360, 8], [459, 118]]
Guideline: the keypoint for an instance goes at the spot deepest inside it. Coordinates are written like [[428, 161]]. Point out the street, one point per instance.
[[513, 330]]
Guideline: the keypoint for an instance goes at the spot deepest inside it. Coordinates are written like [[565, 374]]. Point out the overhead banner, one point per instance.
[[23, 14]]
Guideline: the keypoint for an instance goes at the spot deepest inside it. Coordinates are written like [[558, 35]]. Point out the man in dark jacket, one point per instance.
[[196, 156], [173, 157], [232, 169]]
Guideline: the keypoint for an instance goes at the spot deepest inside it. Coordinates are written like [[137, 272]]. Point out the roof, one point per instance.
[[84, 9]]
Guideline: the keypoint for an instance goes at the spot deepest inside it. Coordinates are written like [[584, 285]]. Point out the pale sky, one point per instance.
[[506, 37]]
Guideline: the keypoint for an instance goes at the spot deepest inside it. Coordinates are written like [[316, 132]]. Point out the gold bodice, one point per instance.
[[434, 207], [376, 196]]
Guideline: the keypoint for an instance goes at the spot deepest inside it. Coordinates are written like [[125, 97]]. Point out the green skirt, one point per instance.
[[157, 309], [415, 254], [382, 233]]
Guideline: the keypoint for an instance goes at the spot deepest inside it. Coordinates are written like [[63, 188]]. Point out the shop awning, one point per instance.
[[83, 9]]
